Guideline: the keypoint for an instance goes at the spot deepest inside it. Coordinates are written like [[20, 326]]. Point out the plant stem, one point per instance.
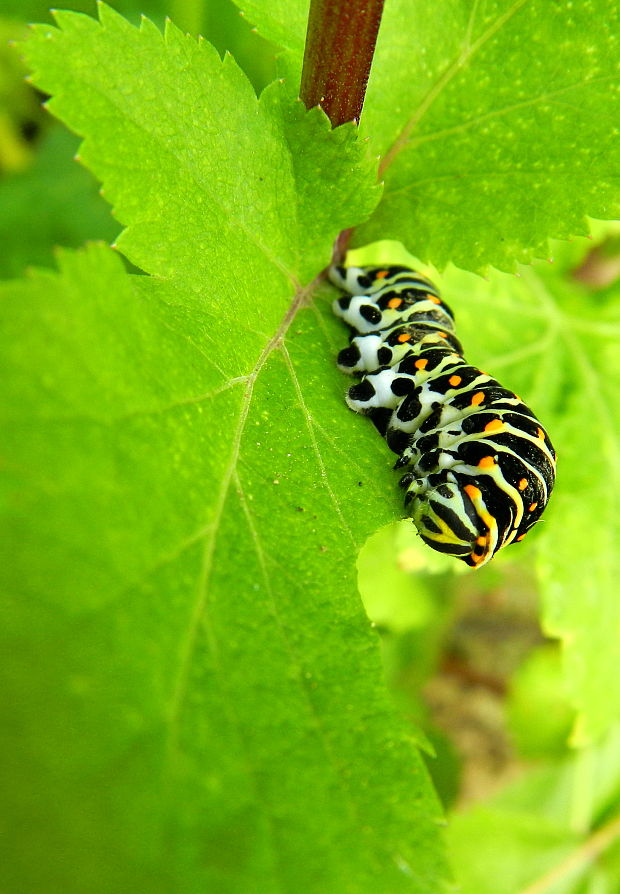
[[340, 44], [579, 860]]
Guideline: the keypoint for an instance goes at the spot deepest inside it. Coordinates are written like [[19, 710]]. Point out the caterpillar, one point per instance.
[[479, 465]]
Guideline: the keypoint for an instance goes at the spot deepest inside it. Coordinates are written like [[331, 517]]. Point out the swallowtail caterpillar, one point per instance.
[[479, 466]]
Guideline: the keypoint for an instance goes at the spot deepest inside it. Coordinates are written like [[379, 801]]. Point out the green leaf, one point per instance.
[[136, 146], [39, 10], [393, 596], [539, 717], [198, 670], [55, 202], [496, 123], [499, 134], [194, 695], [554, 829], [281, 22], [498, 853]]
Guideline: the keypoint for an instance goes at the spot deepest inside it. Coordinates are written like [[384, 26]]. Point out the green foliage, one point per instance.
[[567, 362], [193, 695], [281, 22], [19, 107], [55, 202], [184, 494], [39, 10], [190, 656], [496, 123], [158, 175], [546, 830], [536, 691]]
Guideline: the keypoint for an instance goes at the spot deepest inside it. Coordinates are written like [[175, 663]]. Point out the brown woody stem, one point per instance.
[[340, 44]]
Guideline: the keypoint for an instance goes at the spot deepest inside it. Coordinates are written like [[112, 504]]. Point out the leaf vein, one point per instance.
[[467, 53], [200, 608], [315, 446]]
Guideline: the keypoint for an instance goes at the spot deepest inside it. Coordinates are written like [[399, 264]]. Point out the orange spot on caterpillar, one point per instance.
[[540, 434], [455, 380], [486, 462], [477, 399], [434, 299], [532, 507], [443, 334], [381, 274], [520, 537], [522, 484], [395, 302], [421, 363], [472, 491], [403, 337], [494, 425], [481, 541]]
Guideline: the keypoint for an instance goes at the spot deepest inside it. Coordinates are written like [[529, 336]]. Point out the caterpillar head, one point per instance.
[[451, 517]]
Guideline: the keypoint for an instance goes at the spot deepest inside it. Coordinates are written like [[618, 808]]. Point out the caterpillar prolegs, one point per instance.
[[479, 466]]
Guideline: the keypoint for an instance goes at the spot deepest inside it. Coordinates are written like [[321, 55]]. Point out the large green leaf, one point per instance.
[[499, 134], [164, 155], [194, 696], [496, 123]]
